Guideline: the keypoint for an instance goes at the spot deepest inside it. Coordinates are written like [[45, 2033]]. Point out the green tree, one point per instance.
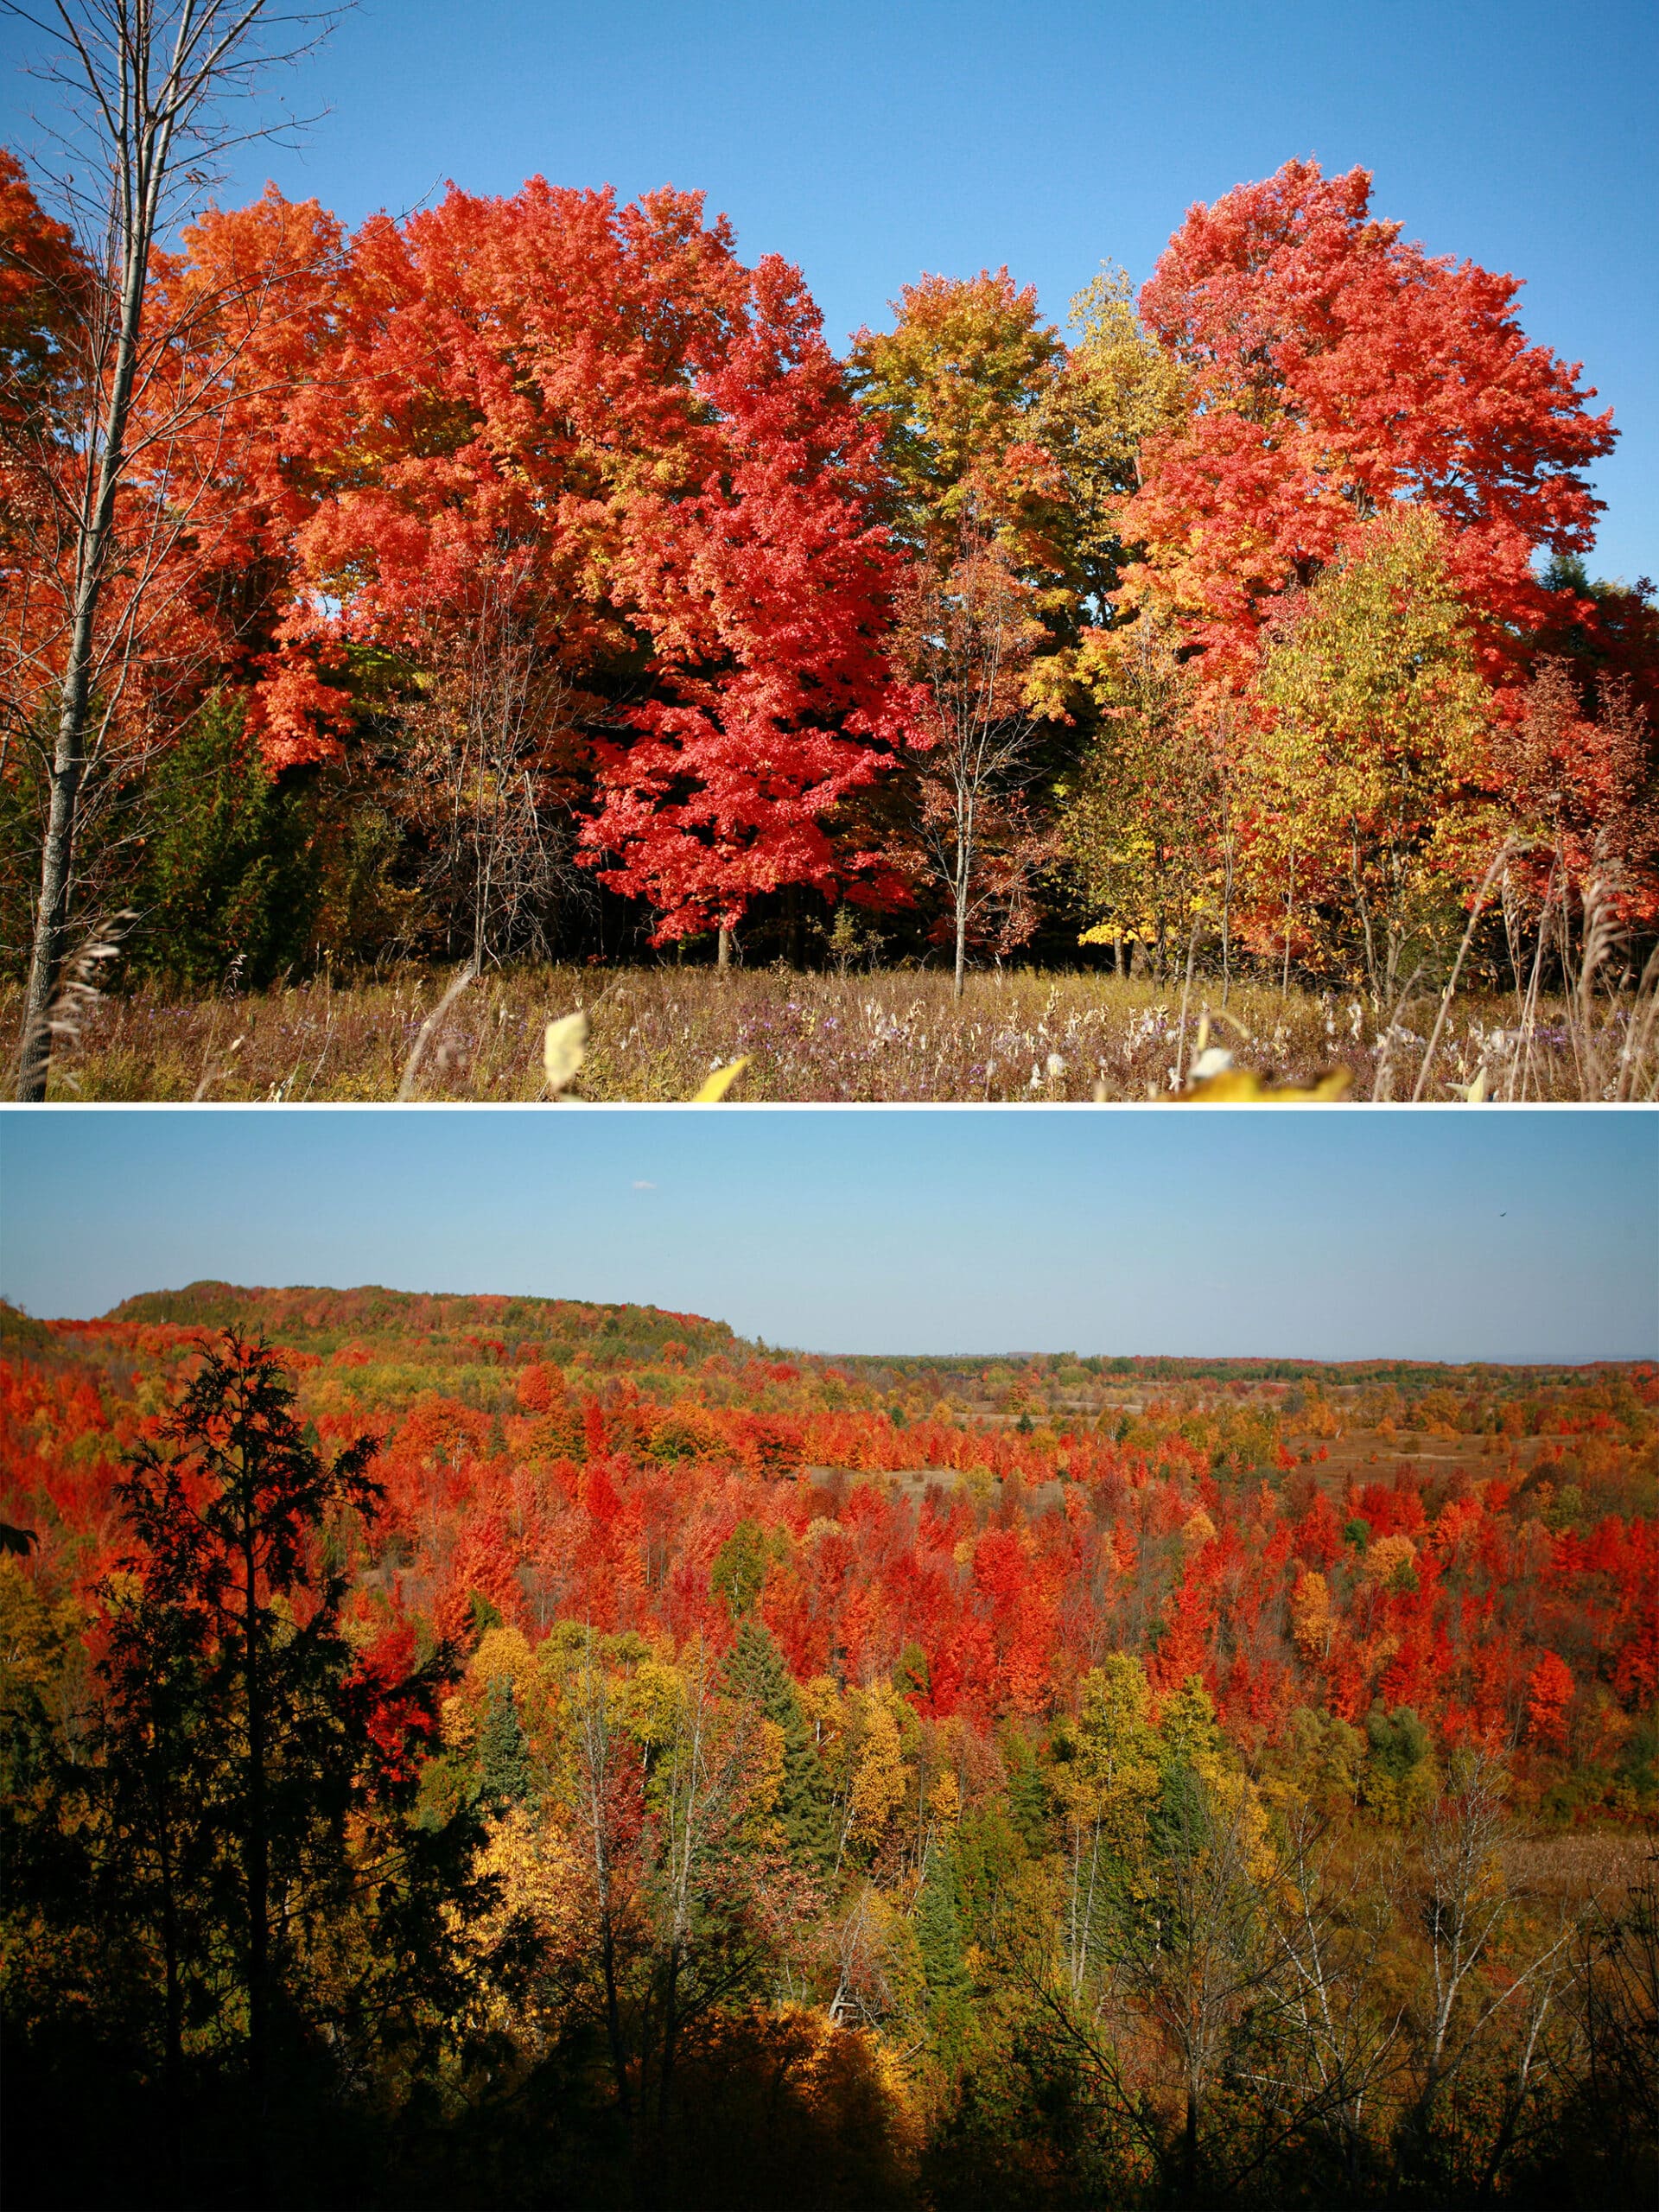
[[755, 1673], [938, 1931], [506, 1772], [228, 882]]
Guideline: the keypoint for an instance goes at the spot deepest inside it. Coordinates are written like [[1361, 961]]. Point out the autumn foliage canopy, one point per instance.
[[587, 443]]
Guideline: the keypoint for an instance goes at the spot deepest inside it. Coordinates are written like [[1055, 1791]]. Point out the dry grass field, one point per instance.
[[894, 1035]]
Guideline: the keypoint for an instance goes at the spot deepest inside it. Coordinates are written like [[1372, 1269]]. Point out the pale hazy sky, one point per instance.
[[1476, 1233]]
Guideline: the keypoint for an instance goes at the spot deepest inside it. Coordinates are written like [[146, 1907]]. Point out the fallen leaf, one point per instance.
[[1240, 1087], [565, 1050]]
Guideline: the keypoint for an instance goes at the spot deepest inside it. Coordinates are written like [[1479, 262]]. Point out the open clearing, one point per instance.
[[894, 1035]]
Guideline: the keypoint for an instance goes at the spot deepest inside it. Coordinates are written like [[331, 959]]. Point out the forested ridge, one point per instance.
[[470, 1750]]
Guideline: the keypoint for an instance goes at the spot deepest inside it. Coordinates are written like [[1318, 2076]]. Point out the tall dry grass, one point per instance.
[[656, 1033]]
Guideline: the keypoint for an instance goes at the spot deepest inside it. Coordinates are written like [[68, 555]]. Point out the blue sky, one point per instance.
[[868, 140], [1428, 1235]]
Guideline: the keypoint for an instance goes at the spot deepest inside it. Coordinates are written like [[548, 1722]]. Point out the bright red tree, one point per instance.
[[1336, 367]]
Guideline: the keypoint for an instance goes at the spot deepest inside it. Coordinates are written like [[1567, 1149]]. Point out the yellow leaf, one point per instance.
[[565, 1050], [1472, 1093], [1240, 1087], [718, 1084]]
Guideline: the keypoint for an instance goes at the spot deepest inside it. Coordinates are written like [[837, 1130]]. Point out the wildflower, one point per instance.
[[1056, 1067]]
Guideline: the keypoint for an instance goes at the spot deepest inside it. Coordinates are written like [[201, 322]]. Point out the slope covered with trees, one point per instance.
[[490, 1750]]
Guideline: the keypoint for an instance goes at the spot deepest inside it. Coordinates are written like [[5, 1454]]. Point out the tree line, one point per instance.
[[528, 575]]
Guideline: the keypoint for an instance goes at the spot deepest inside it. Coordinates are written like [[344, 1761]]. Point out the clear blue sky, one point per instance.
[[869, 140], [1474, 1234]]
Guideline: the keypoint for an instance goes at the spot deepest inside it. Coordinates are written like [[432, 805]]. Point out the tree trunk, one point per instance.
[[173, 2061], [1190, 2143], [95, 530], [613, 2012], [256, 1874], [1226, 917], [723, 956]]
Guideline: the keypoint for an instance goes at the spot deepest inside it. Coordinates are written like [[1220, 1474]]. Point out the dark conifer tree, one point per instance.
[[755, 1673], [271, 1921], [506, 1772], [943, 1951]]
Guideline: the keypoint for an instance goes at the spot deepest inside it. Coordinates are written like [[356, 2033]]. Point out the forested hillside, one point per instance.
[[653, 1768]]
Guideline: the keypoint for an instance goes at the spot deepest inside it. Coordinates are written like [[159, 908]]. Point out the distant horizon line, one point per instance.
[[1013, 1352]]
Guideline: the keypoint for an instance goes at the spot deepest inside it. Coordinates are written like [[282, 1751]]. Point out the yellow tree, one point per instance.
[[1118, 388], [1148, 827], [959, 387], [1370, 732], [1105, 1779]]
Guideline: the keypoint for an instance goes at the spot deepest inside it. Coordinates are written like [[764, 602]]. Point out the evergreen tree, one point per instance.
[[227, 876], [939, 1943], [739, 1573], [755, 1673], [259, 1924], [506, 1772]]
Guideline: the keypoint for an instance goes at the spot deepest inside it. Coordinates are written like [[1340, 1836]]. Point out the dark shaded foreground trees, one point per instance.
[[226, 1913]]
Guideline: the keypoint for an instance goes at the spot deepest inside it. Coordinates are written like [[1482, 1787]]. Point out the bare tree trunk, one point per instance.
[[143, 76], [96, 530], [1290, 908], [256, 1872], [723, 954], [1226, 905]]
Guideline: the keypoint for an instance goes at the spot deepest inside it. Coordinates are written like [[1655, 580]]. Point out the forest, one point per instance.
[[468, 1751], [525, 580]]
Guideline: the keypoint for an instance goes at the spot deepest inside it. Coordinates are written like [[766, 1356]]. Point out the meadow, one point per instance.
[[1016, 1035]]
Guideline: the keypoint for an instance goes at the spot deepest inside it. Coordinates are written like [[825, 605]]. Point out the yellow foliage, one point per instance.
[[944, 1799], [1241, 1087], [1118, 389], [503, 1655], [457, 1725], [1111, 1776], [1312, 1623], [540, 1873], [1372, 731], [716, 1086], [825, 1710], [1386, 1556], [879, 1777], [651, 1701]]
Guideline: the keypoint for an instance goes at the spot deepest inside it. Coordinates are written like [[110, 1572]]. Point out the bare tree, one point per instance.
[[1483, 1970], [969, 638], [1328, 1917], [152, 91], [480, 779]]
